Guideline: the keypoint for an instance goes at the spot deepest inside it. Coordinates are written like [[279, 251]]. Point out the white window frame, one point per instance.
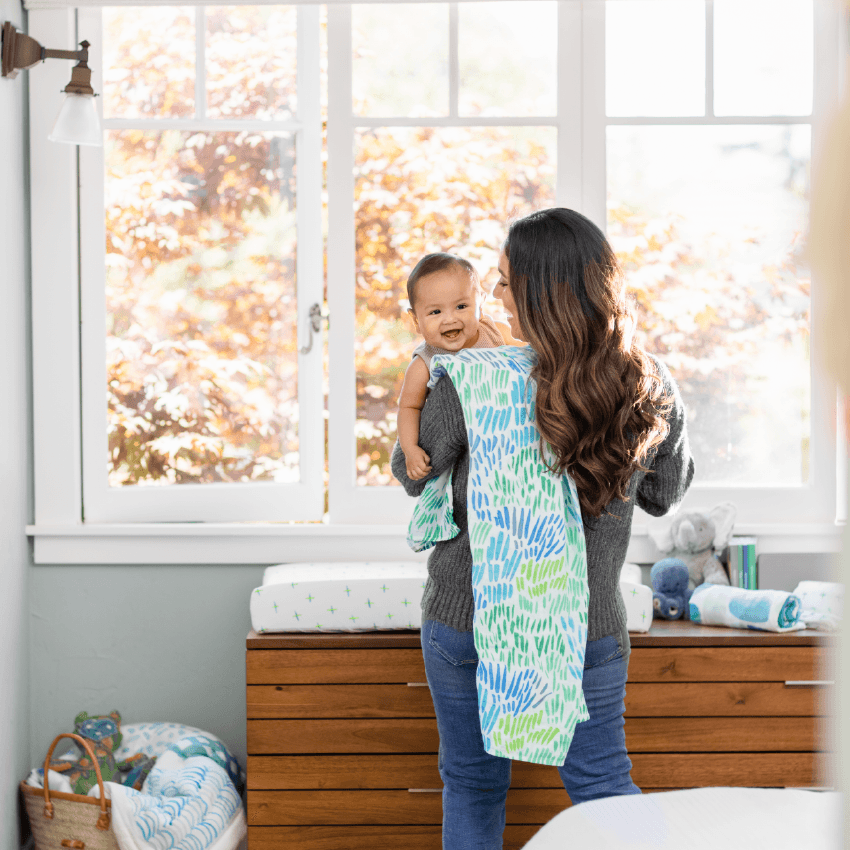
[[348, 502], [581, 184], [369, 523], [250, 501]]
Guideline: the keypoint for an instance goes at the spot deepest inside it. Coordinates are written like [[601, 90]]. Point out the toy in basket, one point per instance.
[[69, 820]]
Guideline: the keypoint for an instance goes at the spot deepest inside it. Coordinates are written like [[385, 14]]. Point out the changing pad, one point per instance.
[[339, 597], [637, 598]]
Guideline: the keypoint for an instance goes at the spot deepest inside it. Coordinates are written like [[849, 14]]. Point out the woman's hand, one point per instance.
[[418, 463]]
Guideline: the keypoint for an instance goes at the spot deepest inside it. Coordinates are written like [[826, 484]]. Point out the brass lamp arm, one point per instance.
[[21, 51], [79, 55]]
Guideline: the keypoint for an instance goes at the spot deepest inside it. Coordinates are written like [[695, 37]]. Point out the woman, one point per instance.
[[615, 422]]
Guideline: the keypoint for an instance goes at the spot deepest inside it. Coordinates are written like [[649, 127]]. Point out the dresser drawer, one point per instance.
[[719, 734], [411, 735], [649, 771], [363, 772], [725, 664], [302, 808], [643, 734], [643, 699], [654, 771], [333, 666], [425, 837], [282, 701], [719, 699]]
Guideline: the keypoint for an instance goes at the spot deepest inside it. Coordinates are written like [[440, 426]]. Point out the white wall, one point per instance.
[[15, 449]]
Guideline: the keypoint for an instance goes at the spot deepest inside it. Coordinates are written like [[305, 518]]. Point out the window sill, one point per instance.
[[271, 543]]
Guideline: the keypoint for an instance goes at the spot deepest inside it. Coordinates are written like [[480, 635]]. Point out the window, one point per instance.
[[444, 120], [208, 188], [201, 227]]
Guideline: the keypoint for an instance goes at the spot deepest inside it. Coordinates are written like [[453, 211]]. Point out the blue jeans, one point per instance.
[[476, 783]]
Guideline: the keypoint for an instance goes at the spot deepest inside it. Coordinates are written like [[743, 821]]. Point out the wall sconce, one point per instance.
[[77, 122]]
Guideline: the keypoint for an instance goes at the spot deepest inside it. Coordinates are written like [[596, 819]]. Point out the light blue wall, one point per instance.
[[154, 642], [168, 643], [15, 450]]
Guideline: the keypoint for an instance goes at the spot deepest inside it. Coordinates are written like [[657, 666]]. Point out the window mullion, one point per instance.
[[309, 271], [709, 58], [568, 190], [454, 60], [200, 63], [341, 264], [827, 472], [593, 190]]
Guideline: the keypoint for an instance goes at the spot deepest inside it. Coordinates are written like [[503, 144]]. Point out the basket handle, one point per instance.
[[103, 820]]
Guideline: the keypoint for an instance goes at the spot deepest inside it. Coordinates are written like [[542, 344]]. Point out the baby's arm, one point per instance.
[[414, 391]]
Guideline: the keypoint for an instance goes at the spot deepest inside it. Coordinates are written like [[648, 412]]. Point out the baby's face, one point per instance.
[[446, 309]]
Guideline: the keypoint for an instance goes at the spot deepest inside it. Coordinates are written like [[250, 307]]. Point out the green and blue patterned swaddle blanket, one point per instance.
[[529, 562]]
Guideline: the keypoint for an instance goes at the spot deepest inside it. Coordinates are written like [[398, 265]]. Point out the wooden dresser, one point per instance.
[[342, 739]]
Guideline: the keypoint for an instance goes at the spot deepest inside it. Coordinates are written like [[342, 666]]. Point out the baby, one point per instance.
[[445, 302]]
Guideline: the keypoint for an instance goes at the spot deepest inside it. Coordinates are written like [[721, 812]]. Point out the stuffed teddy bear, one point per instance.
[[693, 536], [104, 735], [670, 593]]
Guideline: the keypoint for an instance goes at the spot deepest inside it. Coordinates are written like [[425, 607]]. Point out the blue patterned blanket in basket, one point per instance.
[[189, 800]]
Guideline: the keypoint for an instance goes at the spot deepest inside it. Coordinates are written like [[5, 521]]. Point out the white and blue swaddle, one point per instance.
[[763, 610], [529, 561]]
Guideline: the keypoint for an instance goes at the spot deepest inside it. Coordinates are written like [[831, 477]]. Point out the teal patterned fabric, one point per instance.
[[529, 561], [433, 518]]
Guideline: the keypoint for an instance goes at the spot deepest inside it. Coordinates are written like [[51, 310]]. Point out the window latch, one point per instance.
[[316, 315]]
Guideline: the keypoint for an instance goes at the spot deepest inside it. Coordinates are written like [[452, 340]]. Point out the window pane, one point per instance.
[[201, 307], [144, 74], [419, 190], [508, 56], [401, 59], [251, 61], [710, 223], [763, 57], [654, 57]]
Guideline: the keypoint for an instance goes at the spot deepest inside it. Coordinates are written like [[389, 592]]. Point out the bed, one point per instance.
[[700, 819]]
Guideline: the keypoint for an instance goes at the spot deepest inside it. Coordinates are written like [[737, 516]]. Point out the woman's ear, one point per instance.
[[415, 320]]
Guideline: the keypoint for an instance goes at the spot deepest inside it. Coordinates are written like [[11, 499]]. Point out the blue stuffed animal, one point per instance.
[[670, 593]]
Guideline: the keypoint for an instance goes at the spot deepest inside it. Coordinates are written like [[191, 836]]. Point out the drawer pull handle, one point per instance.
[[424, 790], [417, 684], [806, 684]]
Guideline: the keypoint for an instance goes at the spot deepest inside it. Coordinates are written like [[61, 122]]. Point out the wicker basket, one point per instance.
[[69, 820]]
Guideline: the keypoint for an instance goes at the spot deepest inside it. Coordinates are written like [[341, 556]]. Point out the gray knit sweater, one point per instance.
[[448, 591]]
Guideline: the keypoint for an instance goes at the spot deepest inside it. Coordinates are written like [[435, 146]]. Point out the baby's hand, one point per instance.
[[417, 462]]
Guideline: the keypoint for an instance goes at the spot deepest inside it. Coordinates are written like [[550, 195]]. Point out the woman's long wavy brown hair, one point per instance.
[[600, 404]]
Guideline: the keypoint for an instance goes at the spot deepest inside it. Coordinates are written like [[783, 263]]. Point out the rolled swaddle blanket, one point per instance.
[[766, 610]]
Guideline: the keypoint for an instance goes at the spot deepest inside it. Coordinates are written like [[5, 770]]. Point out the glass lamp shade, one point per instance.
[[77, 122]]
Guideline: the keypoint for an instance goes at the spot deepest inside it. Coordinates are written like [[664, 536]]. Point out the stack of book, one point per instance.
[[742, 563]]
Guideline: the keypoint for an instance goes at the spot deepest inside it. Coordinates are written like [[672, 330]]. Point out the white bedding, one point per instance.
[[700, 819], [344, 596]]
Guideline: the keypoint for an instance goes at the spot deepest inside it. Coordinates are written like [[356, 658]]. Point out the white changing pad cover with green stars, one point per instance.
[[351, 596]]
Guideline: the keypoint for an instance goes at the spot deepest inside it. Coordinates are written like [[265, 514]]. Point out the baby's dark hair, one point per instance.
[[438, 262]]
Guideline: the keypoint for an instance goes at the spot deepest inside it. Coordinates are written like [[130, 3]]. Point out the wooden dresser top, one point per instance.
[[661, 633]]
